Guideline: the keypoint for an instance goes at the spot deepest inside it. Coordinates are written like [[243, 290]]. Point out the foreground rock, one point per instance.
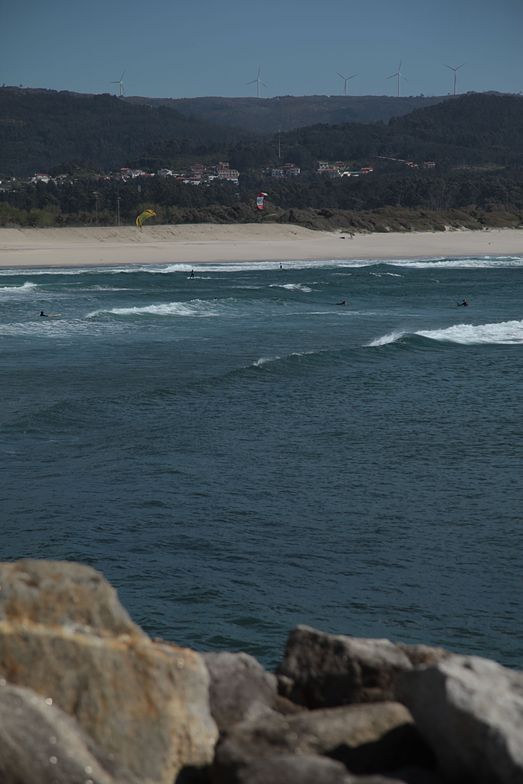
[[240, 688], [304, 769], [365, 738], [64, 634], [87, 698], [39, 744], [322, 670], [470, 710]]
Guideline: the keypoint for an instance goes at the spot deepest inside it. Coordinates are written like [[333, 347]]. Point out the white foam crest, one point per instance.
[[104, 288], [53, 271], [50, 328], [501, 333], [195, 307], [480, 262], [390, 337], [256, 266], [249, 266], [24, 288], [291, 287], [264, 361]]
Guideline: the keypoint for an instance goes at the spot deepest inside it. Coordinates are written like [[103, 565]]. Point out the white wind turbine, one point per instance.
[[119, 82], [455, 69], [346, 80], [258, 82], [399, 76]]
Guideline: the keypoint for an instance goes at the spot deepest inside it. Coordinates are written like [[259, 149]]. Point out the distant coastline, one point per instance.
[[201, 243]]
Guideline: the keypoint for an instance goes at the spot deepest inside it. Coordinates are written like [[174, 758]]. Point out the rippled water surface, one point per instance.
[[238, 453]]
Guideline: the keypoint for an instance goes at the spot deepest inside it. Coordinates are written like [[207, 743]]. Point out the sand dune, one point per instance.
[[197, 243]]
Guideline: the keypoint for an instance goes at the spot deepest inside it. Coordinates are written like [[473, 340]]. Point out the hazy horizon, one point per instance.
[[170, 50]]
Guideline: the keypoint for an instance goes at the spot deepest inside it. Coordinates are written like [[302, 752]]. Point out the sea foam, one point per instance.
[[291, 287], [199, 308], [23, 289], [501, 333]]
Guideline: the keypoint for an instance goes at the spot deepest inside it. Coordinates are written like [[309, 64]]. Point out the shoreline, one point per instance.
[[220, 243]]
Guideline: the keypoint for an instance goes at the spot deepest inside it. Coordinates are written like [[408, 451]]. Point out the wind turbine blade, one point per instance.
[[449, 66], [353, 76], [460, 66], [341, 75], [392, 76]]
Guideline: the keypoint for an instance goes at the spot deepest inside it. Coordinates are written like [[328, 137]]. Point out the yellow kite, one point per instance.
[[143, 216]]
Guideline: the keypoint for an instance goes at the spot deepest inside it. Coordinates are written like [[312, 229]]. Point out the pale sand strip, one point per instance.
[[198, 243]]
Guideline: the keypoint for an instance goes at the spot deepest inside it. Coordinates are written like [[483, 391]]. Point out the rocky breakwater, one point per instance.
[[86, 697]]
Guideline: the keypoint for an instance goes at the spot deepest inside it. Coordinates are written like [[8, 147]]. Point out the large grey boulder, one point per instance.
[[64, 635], [370, 738], [470, 710], [288, 769], [39, 744], [322, 670], [303, 769], [240, 687]]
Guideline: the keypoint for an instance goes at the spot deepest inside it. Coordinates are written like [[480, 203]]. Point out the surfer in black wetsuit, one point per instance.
[[464, 303], [343, 302], [43, 315]]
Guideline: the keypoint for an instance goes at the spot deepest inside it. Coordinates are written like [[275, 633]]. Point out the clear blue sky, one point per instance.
[[175, 48]]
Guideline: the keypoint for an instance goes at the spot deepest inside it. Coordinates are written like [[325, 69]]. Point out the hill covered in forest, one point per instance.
[[469, 130], [42, 129], [284, 113]]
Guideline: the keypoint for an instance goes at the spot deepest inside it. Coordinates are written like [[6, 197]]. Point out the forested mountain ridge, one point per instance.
[[286, 112], [468, 130], [41, 129]]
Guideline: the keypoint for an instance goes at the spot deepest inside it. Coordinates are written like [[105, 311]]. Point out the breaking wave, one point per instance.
[[268, 360], [291, 287], [24, 288], [502, 333], [470, 262], [198, 308], [61, 328]]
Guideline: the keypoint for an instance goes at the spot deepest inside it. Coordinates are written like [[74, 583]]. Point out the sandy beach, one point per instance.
[[199, 243]]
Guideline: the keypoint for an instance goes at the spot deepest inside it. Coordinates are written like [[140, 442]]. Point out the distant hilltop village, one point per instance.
[[202, 174]]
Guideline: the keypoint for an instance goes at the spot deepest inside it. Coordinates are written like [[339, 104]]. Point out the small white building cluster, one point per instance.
[[281, 172], [342, 169]]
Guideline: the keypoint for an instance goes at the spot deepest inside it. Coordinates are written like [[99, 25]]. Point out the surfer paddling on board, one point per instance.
[[343, 302], [464, 303]]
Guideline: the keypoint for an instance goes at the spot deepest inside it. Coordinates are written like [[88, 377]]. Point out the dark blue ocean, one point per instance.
[[239, 454]]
